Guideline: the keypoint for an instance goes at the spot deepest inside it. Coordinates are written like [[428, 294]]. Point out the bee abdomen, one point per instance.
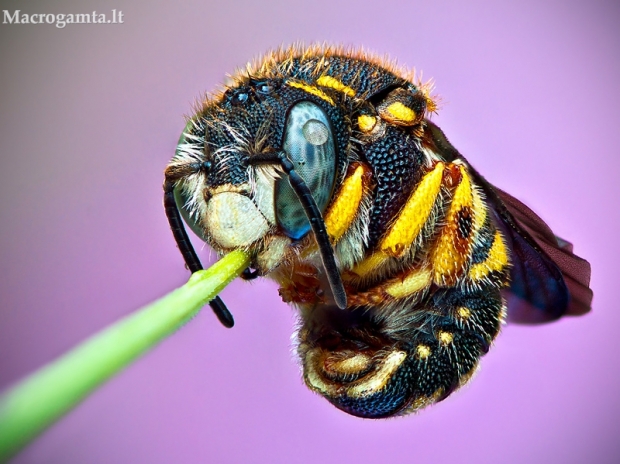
[[430, 349], [442, 364]]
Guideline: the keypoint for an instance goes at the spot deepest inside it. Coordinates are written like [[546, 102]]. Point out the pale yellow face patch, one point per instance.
[[233, 220]]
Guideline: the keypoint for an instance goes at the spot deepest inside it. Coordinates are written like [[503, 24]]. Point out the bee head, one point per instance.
[[241, 196]]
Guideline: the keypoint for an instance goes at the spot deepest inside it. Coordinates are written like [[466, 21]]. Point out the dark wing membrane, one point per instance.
[[575, 270], [547, 279]]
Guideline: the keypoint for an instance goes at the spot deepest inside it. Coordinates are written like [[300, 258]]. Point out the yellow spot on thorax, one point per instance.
[[401, 112], [331, 82], [366, 123], [343, 210], [311, 90]]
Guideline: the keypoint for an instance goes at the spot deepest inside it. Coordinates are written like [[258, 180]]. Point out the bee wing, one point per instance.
[[547, 280], [553, 252]]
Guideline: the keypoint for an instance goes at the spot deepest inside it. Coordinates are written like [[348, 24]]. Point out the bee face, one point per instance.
[[323, 165], [240, 201]]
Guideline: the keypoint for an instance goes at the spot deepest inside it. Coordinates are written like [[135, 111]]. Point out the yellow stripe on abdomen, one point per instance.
[[497, 259]]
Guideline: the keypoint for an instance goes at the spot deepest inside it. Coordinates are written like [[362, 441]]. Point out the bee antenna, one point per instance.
[[185, 246], [318, 227]]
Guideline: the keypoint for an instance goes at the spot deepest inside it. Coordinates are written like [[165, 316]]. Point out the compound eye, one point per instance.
[[309, 144]]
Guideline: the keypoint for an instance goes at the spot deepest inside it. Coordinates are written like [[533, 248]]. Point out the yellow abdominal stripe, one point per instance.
[[311, 90], [496, 260], [479, 211], [343, 210], [331, 82], [446, 259], [380, 378]]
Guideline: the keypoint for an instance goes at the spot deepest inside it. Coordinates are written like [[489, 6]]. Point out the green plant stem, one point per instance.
[[46, 395]]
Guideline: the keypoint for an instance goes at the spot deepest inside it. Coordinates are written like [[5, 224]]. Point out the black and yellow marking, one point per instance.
[[333, 83], [345, 206], [425, 225], [312, 90], [409, 223], [366, 122], [402, 107], [451, 251], [497, 260]]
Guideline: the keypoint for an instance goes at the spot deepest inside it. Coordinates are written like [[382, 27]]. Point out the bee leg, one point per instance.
[[185, 245], [316, 222], [320, 232]]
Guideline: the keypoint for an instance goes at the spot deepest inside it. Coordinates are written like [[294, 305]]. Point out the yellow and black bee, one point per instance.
[[323, 165]]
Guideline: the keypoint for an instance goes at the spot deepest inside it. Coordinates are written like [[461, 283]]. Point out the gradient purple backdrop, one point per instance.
[[89, 117]]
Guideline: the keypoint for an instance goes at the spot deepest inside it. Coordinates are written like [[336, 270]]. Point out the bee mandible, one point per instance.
[[322, 164]]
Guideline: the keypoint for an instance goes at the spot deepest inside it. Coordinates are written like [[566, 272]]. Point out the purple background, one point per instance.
[[89, 116]]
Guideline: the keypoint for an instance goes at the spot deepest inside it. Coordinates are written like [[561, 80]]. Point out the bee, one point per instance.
[[323, 165]]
